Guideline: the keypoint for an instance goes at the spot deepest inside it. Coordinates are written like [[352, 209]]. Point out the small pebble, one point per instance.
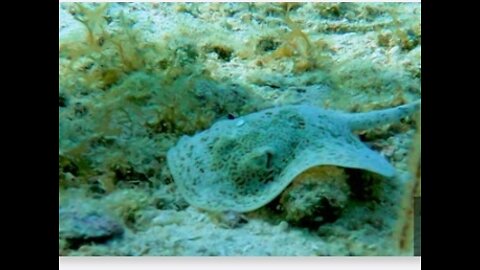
[[240, 122], [167, 217], [283, 226]]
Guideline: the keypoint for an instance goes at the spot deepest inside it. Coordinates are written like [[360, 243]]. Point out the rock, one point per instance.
[[316, 196], [80, 227]]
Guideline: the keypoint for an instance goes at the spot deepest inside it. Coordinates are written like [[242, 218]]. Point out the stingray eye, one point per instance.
[[259, 159], [269, 159]]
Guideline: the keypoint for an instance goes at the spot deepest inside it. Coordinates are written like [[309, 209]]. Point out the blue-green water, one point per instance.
[[137, 77]]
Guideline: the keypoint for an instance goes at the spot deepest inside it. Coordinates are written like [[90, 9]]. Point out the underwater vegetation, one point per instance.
[[137, 77], [139, 95]]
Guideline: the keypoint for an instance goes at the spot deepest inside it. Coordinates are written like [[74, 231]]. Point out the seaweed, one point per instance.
[[307, 55], [108, 53], [403, 236]]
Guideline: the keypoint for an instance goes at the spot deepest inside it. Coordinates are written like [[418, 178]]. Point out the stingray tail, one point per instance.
[[367, 120]]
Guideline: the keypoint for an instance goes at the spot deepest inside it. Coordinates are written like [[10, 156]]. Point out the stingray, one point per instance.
[[244, 163]]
